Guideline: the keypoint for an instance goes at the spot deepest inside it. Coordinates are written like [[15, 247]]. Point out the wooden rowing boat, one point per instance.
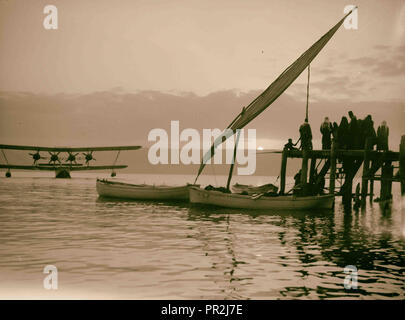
[[121, 190], [232, 200]]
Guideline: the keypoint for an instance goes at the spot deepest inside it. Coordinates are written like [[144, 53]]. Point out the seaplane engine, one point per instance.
[[36, 156], [89, 157], [72, 157], [54, 158]]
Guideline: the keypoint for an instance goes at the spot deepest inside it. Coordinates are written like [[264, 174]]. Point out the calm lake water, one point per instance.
[[151, 250]]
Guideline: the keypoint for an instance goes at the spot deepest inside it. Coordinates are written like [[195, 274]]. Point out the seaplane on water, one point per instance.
[[63, 165]]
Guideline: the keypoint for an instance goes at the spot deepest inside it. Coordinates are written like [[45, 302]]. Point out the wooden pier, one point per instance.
[[345, 164]]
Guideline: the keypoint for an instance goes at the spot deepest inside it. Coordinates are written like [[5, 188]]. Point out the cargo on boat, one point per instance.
[[250, 189]]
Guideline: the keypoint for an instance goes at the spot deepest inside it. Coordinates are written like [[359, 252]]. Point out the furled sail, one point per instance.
[[268, 96]]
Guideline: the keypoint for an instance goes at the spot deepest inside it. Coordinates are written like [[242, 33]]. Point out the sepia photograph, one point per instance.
[[219, 152]]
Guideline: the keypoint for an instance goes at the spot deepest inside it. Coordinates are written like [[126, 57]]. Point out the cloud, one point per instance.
[[116, 118], [390, 62], [377, 75], [331, 87]]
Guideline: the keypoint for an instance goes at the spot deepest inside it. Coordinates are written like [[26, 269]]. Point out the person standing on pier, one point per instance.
[[343, 134], [335, 129], [369, 131], [354, 133], [382, 136], [326, 130], [306, 136], [345, 141]]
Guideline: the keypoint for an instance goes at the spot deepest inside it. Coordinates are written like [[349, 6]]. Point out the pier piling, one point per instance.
[[366, 171], [352, 160], [402, 165], [386, 181], [371, 191], [332, 175], [304, 170], [312, 170], [283, 171]]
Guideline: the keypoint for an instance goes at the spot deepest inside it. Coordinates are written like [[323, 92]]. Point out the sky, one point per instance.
[[113, 70]]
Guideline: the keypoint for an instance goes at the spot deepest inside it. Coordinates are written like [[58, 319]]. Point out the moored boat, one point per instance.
[[232, 200], [121, 190]]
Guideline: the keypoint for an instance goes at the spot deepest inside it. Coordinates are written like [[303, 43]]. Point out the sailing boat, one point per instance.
[[257, 106]]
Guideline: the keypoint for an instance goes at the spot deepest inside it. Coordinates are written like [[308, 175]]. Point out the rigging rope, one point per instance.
[[116, 158], [115, 161]]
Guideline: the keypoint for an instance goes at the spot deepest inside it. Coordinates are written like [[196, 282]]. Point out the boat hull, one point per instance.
[[231, 200], [120, 190]]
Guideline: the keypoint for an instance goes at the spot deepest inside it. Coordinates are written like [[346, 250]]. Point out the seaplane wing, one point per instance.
[[62, 167], [62, 160], [68, 149], [84, 168]]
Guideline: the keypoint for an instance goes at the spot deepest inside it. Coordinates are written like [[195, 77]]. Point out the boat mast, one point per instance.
[[306, 113], [233, 160]]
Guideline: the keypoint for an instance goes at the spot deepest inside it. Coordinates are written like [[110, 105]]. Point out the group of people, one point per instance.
[[350, 135], [353, 134]]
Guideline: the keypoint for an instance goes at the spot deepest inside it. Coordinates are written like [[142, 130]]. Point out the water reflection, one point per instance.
[[335, 240], [146, 249]]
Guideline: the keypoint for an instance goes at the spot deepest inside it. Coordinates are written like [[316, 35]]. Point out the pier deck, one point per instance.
[[390, 163]]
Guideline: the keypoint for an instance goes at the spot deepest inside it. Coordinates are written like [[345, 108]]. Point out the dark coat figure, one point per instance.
[[297, 178], [361, 139], [306, 136], [320, 185], [343, 134], [369, 131], [354, 133], [326, 130], [335, 129], [297, 190], [382, 136]]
